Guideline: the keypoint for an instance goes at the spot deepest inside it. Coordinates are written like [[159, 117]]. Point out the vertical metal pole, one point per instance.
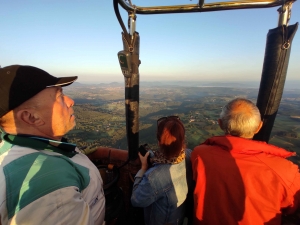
[[132, 82]]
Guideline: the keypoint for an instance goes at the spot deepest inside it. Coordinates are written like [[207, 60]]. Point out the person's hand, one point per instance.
[[144, 161]]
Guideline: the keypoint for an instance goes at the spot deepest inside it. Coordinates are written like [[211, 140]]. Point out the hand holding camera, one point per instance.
[[145, 155]]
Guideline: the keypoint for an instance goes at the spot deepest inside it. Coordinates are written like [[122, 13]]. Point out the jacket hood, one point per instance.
[[247, 146]]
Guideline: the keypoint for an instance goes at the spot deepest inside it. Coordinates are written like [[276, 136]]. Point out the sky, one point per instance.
[[83, 37]]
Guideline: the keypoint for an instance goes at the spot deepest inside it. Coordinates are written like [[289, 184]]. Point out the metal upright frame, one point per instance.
[[273, 75]]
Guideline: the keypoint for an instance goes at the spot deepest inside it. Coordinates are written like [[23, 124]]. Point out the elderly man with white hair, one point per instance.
[[239, 180]]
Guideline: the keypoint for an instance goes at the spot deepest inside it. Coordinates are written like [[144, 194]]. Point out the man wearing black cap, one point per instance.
[[43, 179]]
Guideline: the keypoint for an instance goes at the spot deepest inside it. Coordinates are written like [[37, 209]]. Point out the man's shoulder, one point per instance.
[[30, 175], [278, 163], [37, 168], [204, 148]]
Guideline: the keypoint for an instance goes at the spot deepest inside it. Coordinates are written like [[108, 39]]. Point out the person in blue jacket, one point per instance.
[[162, 189]]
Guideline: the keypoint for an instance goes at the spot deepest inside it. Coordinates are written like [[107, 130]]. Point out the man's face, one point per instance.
[[56, 110]]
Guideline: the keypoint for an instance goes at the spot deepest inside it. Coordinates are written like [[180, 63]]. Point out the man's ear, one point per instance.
[[220, 123], [259, 127], [30, 117]]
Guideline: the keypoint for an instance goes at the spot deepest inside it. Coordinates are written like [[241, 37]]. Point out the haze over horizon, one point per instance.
[[289, 84], [83, 37]]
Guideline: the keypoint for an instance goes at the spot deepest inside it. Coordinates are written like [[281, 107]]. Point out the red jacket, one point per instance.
[[241, 181]]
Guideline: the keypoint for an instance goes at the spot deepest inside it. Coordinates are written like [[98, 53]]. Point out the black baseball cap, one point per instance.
[[20, 83]]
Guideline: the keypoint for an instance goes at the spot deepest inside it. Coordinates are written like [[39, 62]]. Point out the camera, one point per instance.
[[143, 149]]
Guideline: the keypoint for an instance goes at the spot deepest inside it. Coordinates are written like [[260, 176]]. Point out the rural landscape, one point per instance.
[[100, 113]]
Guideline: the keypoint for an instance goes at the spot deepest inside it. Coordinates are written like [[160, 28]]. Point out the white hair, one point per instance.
[[241, 123]]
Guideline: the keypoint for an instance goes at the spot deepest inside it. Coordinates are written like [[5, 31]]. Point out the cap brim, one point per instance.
[[63, 81]]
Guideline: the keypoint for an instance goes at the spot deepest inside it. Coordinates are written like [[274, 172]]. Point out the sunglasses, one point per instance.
[[167, 117]]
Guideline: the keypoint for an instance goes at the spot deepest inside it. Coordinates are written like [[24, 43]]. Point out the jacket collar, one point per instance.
[[247, 146], [40, 143]]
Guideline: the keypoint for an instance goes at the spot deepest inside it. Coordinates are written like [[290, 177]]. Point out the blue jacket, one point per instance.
[[162, 191]]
